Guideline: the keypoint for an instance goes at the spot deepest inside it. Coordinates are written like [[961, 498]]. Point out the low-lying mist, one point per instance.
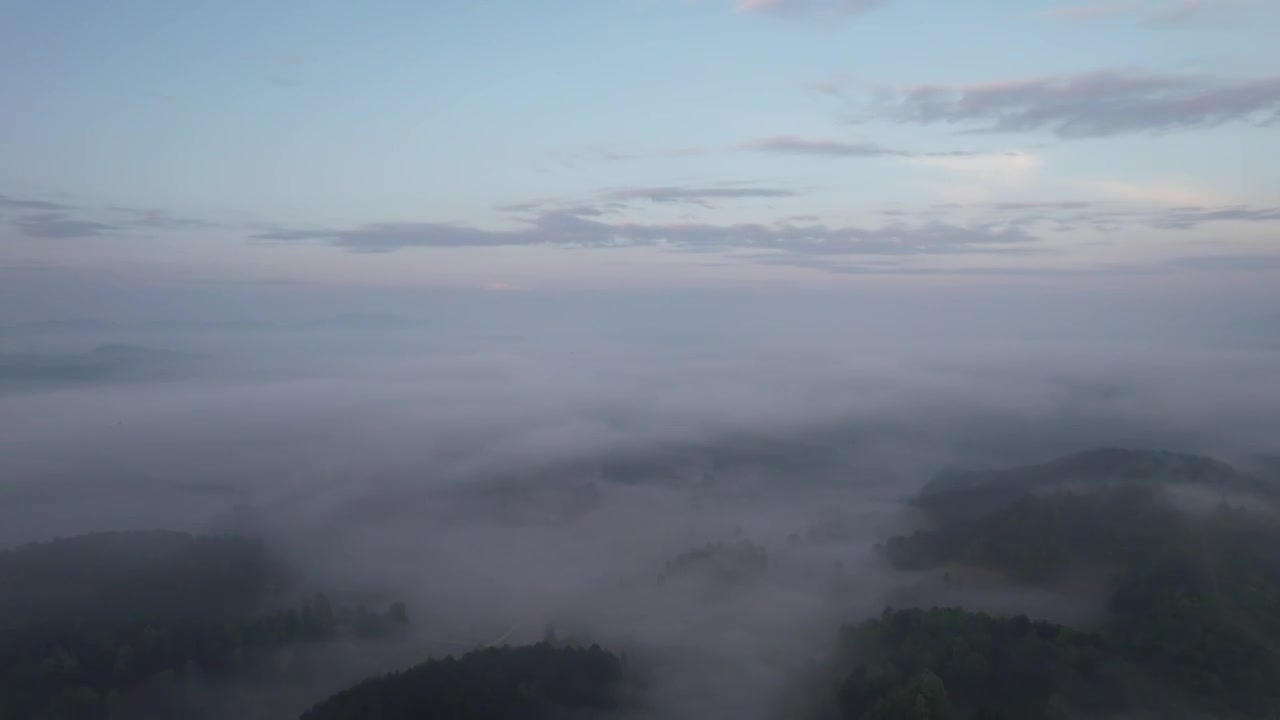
[[508, 463]]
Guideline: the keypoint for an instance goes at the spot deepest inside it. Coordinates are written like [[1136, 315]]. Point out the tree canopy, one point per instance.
[[533, 682]]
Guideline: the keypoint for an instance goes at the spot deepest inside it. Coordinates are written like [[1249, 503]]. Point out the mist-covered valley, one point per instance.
[[703, 483]]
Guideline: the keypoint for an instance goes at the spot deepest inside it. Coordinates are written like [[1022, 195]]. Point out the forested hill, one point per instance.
[[1192, 597], [140, 625], [154, 575], [958, 492], [537, 682]]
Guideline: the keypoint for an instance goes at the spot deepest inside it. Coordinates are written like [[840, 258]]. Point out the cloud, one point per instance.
[[151, 218], [1015, 206], [1096, 104], [795, 145], [1188, 218], [1057, 205], [1263, 264], [522, 207], [842, 7], [59, 225], [698, 196], [58, 220], [27, 204], [790, 144], [568, 229], [1228, 263], [617, 200], [1111, 215]]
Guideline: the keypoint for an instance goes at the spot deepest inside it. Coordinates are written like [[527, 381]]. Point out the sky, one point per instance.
[[640, 143]]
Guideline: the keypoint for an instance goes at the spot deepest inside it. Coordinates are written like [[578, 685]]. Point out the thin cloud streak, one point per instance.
[[782, 7], [60, 226], [799, 145], [65, 221], [569, 230], [7, 201], [1097, 104], [793, 145], [1189, 218], [827, 147], [622, 198], [700, 196], [1111, 216]]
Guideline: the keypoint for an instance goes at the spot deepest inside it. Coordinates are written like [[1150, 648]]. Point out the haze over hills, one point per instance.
[[114, 362], [704, 506], [1045, 526], [1103, 469]]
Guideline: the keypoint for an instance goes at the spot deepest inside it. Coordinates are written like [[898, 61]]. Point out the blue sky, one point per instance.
[[640, 142]]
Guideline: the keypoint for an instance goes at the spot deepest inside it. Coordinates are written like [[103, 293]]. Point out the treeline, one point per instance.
[[957, 493], [1194, 597], [143, 624], [77, 670], [150, 575], [956, 665], [534, 682], [1034, 537], [1206, 628]]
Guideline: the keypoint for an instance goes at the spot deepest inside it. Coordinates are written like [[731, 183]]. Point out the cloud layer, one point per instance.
[[10, 202], [569, 228], [1096, 104], [59, 225]]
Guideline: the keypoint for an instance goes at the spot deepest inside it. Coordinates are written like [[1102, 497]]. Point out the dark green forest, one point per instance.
[[157, 576], [125, 625], [1193, 596], [948, 663], [535, 682]]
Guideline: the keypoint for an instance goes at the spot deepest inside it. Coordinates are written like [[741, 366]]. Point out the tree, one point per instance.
[[932, 697]]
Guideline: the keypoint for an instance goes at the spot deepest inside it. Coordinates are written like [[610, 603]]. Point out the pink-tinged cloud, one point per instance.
[[573, 229]]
